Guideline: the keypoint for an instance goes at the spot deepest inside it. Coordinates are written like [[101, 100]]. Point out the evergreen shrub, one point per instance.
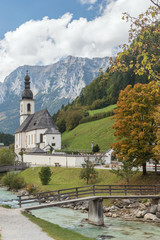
[[45, 175]]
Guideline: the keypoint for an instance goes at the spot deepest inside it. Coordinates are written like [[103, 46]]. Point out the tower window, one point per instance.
[[41, 138], [28, 107]]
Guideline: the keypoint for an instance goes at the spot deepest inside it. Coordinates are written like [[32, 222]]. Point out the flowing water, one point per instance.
[[8, 198], [113, 229], [75, 220]]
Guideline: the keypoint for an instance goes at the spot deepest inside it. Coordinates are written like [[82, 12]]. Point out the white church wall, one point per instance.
[[53, 139]]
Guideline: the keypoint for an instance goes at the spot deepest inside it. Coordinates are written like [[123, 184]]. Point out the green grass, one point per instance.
[[69, 177], [5, 206], [66, 178], [80, 138], [56, 231], [102, 110]]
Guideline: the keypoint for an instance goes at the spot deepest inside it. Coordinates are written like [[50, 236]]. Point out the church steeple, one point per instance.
[[27, 93], [27, 104]]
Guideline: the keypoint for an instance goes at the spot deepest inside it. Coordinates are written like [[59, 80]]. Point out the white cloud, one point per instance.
[[46, 41], [88, 1]]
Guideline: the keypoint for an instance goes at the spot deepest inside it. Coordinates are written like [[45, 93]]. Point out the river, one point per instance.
[[75, 220]]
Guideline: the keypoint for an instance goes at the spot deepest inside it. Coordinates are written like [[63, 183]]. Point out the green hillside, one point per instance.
[[81, 137], [61, 178], [102, 110]]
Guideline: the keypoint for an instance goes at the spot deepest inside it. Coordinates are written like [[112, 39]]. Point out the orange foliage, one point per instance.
[[135, 124]]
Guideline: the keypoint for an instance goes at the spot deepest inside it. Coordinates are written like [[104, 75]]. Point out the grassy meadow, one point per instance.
[[80, 138], [66, 178], [69, 177]]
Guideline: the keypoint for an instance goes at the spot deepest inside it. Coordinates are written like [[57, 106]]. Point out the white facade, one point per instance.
[[62, 160], [53, 140], [27, 141], [27, 107]]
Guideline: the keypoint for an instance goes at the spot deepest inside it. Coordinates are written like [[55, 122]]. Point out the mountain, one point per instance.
[[52, 86]]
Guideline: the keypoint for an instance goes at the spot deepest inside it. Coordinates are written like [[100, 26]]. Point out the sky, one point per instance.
[[41, 32]]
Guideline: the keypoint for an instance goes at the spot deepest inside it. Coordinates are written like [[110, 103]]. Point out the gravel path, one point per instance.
[[15, 226]]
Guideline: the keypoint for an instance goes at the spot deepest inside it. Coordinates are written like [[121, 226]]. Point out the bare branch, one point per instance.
[[156, 3]]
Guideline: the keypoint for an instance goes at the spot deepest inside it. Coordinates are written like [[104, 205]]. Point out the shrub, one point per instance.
[[96, 148], [31, 188], [45, 175], [6, 157], [13, 181]]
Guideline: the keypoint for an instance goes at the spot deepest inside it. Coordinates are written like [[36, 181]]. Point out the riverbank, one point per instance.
[[126, 209], [134, 210]]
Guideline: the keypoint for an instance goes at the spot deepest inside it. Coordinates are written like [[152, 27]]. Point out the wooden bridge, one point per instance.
[[96, 195], [15, 167]]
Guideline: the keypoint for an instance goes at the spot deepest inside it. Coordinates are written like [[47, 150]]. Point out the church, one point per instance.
[[37, 129]]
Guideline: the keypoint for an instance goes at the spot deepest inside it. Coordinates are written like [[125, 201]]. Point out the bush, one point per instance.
[[31, 188], [45, 175], [96, 148], [6, 157], [13, 181]]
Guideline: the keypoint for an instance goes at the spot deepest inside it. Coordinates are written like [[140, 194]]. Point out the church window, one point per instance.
[[53, 144], [21, 107], [53, 137], [41, 138], [28, 107], [26, 140], [31, 139]]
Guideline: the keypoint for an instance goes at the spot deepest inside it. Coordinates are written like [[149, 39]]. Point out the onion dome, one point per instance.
[[27, 93]]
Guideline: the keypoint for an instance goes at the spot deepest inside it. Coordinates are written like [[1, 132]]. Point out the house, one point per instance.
[[37, 129]]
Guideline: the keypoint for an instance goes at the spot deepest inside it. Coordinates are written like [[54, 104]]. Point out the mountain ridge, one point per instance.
[[52, 85]]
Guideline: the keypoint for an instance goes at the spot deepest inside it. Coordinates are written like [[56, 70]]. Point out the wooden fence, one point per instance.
[[92, 190]]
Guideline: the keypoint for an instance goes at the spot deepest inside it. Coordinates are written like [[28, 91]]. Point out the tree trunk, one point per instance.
[[144, 169]]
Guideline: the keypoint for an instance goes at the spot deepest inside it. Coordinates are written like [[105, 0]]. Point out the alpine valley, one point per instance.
[[52, 86]]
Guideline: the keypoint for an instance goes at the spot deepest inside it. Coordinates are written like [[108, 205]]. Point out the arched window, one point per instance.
[[28, 107]]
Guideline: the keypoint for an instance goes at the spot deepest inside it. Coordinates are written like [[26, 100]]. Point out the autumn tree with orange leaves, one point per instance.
[[135, 125], [143, 51]]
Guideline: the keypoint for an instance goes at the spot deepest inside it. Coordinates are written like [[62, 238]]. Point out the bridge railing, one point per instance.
[[91, 190]]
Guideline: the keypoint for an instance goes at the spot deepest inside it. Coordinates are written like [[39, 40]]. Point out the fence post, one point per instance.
[[39, 198], [19, 199], [155, 189], [140, 187], [125, 190], [93, 190], [77, 192], [110, 191], [58, 195]]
